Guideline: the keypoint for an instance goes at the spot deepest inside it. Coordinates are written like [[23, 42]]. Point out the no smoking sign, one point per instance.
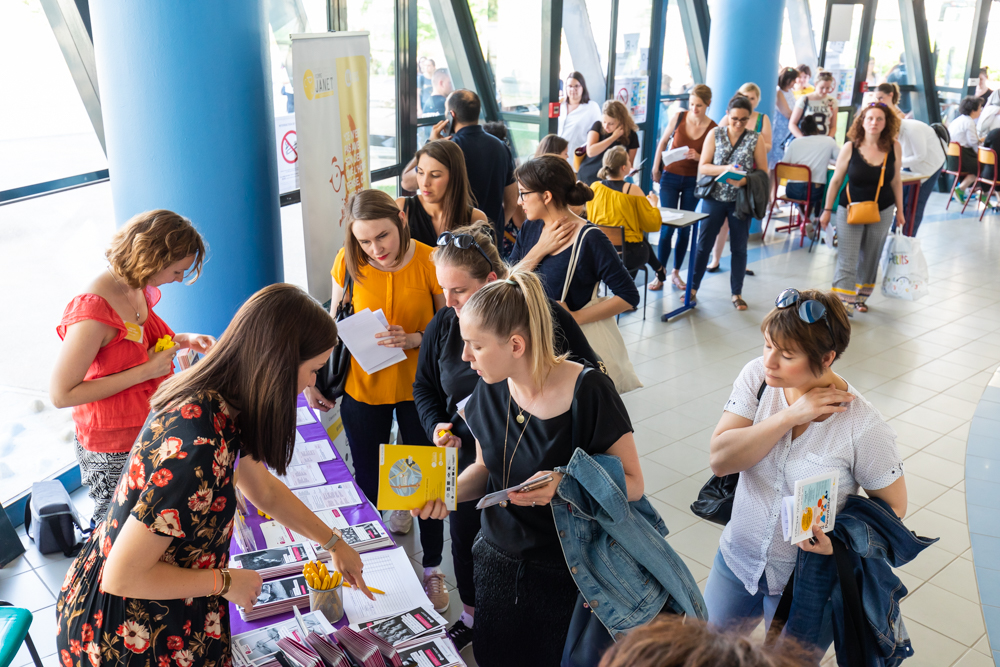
[[289, 153]]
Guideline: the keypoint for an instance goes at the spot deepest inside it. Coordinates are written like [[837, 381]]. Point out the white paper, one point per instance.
[[388, 570], [673, 155], [332, 517], [276, 535], [302, 476], [828, 234], [304, 416], [666, 215], [636, 167], [315, 451], [358, 333], [329, 496]]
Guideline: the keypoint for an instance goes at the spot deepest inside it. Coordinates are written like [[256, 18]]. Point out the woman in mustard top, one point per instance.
[[393, 272]]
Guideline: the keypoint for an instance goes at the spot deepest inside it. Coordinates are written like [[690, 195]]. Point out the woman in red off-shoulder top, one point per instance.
[[107, 369]]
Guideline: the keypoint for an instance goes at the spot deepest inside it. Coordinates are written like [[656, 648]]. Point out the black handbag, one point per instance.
[[703, 186], [715, 500], [330, 379]]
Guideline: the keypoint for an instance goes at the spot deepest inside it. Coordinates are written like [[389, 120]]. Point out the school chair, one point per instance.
[[14, 624], [798, 218]]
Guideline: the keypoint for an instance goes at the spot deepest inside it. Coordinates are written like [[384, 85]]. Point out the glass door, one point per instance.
[[844, 51]]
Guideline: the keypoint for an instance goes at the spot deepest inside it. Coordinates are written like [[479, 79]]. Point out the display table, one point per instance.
[[335, 472], [675, 217]]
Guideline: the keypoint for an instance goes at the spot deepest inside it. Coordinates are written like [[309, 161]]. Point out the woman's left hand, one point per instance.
[[394, 337], [900, 220], [540, 496], [200, 343], [347, 561], [821, 543]]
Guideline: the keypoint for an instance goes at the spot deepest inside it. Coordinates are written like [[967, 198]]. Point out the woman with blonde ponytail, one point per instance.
[[523, 420]]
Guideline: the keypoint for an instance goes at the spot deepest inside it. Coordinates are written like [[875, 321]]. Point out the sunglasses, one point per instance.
[[464, 242], [810, 311]]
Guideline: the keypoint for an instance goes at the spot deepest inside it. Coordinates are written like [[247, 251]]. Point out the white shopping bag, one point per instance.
[[904, 269]]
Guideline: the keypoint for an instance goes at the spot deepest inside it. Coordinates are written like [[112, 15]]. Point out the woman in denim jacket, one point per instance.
[[522, 419], [808, 421]]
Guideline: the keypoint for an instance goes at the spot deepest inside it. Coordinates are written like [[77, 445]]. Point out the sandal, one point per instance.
[[861, 307], [739, 303], [676, 281], [656, 285]]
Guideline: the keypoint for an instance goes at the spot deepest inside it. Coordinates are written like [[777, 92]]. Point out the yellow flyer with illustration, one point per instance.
[[411, 475]]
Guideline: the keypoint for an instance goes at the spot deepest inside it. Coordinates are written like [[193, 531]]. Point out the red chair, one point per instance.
[[784, 171], [954, 151], [987, 158]]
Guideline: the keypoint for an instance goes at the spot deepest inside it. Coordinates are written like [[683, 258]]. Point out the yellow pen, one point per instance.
[[373, 590]]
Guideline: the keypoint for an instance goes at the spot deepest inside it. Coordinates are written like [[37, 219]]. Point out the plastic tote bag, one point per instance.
[[603, 335], [904, 269]]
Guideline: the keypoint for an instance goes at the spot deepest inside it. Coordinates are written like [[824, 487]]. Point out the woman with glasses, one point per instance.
[[790, 417], [381, 267], [444, 198], [465, 261], [870, 159], [733, 147], [577, 113]]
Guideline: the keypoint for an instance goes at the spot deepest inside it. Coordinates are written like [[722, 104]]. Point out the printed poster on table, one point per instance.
[[331, 121]]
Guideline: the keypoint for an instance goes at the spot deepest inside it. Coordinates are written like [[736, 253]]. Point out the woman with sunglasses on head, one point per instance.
[[523, 420], [381, 267], [790, 417], [729, 147], [466, 260], [870, 159], [444, 199]]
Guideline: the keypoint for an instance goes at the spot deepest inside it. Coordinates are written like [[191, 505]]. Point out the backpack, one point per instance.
[[50, 519]]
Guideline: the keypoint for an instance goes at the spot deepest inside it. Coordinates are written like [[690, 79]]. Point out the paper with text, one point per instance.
[[389, 570], [358, 333], [329, 496]]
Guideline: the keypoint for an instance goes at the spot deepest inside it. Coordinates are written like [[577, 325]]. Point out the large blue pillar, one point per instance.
[[743, 46], [186, 98]]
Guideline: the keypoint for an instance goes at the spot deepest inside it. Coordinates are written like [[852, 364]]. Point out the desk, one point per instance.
[[335, 472], [686, 219]]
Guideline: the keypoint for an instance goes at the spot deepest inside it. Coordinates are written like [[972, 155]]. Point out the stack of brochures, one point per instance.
[[419, 636], [361, 649], [302, 654], [275, 562], [277, 597], [366, 536], [332, 654], [257, 648]]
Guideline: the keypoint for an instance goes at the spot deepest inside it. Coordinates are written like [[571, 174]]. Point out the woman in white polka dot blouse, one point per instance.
[[808, 421]]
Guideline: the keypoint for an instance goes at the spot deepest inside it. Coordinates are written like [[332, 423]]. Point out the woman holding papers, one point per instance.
[[729, 151], [466, 260], [152, 583], [386, 270], [616, 127], [685, 134], [109, 364], [791, 417], [521, 415]]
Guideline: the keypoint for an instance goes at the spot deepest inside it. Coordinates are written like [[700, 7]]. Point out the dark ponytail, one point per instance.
[[552, 174]]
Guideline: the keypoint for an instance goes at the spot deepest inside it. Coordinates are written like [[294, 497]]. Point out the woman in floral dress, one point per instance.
[[149, 587]]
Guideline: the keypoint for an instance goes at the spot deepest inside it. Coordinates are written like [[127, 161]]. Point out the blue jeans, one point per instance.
[[926, 188], [739, 232], [676, 192], [731, 607], [797, 190]]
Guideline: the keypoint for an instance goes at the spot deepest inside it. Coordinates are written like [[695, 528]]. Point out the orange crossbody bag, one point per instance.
[[865, 212]]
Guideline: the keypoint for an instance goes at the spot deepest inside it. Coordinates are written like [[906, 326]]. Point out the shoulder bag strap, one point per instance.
[[574, 258], [681, 118], [735, 146], [881, 176], [574, 411]]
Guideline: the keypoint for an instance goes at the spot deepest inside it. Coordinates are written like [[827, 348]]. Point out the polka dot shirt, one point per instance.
[[858, 443]]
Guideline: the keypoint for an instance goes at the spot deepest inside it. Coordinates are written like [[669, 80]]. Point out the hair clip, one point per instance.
[[509, 281]]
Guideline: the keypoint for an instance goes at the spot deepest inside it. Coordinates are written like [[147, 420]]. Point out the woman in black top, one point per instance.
[[444, 379], [444, 199], [616, 127], [871, 144]]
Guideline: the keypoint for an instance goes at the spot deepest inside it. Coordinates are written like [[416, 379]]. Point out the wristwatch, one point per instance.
[[332, 543]]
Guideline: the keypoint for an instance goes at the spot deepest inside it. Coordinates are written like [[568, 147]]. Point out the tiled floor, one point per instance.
[[923, 364]]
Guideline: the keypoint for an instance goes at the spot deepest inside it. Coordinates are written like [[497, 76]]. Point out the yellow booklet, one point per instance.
[[409, 476]]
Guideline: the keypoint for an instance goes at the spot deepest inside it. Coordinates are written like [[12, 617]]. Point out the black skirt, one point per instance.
[[523, 609]]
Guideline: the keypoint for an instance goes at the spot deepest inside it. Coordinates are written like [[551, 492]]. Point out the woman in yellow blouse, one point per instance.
[[617, 203], [393, 272]]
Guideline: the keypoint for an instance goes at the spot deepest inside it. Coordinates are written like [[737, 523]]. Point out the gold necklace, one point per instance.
[[124, 294], [505, 473], [520, 410]]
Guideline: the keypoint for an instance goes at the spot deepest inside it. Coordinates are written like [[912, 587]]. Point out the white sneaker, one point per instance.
[[397, 521]]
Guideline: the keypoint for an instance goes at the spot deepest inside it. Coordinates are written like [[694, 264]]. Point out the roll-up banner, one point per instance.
[[331, 122]]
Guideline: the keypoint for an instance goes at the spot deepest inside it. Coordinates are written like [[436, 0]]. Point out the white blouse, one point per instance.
[[963, 131], [858, 443], [573, 127]]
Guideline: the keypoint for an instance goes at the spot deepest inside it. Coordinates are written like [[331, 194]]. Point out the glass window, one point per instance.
[[786, 54], [676, 77], [45, 132], [510, 33], [379, 18], [991, 47], [524, 138], [950, 27], [631, 85], [817, 14], [888, 59], [842, 46], [599, 12]]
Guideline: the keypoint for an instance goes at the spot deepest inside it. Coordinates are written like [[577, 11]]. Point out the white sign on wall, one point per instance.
[[288, 154]]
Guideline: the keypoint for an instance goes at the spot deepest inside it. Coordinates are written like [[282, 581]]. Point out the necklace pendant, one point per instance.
[[520, 419], [503, 503]]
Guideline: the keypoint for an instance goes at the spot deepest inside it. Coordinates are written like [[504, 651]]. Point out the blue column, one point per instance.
[[186, 98]]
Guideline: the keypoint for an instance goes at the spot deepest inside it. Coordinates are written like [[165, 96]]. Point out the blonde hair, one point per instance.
[[371, 205], [518, 305], [825, 76], [750, 87], [615, 158], [469, 259], [618, 111], [152, 241], [703, 93]]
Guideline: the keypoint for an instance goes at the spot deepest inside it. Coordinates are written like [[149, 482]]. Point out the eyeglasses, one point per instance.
[[464, 242], [521, 193], [810, 311], [733, 119]]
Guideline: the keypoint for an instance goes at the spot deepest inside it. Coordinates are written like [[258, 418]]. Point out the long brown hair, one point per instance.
[[551, 144], [856, 133], [552, 174], [152, 241], [469, 259], [371, 205], [458, 199], [255, 368], [618, 111]]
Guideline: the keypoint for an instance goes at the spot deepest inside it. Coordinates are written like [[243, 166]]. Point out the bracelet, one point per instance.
[[227, 581], [828, 210], [215, 580]]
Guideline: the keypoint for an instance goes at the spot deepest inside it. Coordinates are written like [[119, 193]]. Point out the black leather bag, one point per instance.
[[703, 186], [715, 500], [332, 377]]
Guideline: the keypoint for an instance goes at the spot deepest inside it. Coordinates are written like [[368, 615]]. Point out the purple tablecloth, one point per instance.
[[335, 472]]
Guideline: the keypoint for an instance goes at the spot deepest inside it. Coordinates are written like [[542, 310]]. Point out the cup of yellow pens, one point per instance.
[[324, 590]]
